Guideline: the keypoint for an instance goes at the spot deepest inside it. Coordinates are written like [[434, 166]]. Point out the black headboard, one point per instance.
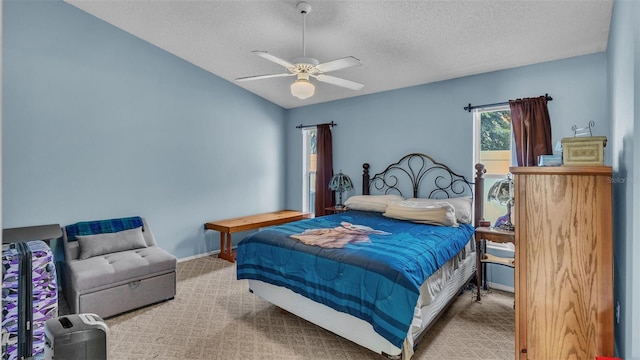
[[415, 173]]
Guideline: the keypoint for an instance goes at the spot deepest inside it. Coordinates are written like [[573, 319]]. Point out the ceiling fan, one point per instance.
[[304, 68]]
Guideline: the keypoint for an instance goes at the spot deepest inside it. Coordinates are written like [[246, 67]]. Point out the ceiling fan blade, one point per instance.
[[273, 58], [338, 64], [339, 82], [259, 77]]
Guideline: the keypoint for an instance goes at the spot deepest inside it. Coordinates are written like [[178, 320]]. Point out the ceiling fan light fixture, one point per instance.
[[305, 67], [302, 89]]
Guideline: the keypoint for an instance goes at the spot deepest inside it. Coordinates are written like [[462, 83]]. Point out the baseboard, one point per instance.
[[215, 252], [501, 287]]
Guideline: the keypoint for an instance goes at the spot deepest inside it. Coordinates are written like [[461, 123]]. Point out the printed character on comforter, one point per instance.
[[338, 236]]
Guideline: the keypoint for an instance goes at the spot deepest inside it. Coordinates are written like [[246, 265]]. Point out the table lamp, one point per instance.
[[502, 192], [340, 182]]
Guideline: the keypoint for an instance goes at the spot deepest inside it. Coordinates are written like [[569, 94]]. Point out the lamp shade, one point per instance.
[[302, 89], [501, 191], [340, 182]]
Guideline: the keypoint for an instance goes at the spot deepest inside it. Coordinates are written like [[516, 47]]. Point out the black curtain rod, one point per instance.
[[469, 108], [332, 124]]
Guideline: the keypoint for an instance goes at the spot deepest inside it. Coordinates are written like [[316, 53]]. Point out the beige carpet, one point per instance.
[[214, 316]]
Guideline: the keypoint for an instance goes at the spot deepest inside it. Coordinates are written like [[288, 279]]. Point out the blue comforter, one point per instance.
[[377, 281]]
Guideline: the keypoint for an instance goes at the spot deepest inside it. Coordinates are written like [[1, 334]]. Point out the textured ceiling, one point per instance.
[[400, 43]]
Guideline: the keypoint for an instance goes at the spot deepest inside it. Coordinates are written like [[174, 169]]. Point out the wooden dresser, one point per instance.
[[564, 262]]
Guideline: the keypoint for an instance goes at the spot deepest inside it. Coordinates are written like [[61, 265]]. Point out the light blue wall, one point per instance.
[[99, 124], [382, 127], [624, 110]]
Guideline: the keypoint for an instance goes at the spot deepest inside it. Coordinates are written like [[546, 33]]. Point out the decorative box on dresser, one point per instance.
[[563, 262]]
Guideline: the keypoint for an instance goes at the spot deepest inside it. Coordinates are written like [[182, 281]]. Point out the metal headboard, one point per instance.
[[406, 176]]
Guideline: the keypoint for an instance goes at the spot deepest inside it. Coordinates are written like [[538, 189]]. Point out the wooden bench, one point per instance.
[[244, 223]]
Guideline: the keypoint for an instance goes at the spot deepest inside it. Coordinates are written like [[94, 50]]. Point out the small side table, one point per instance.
[[495, 235], [337, 210]]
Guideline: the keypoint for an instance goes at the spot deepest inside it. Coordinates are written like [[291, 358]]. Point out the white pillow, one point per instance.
[[101, 244], [435, 214], [376, 203], [462, 206]]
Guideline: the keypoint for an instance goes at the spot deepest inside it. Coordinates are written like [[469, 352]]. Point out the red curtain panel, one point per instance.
[[324, 170], [531, 129]]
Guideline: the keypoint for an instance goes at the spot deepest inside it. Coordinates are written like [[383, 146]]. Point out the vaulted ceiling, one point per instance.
[[399, 43]]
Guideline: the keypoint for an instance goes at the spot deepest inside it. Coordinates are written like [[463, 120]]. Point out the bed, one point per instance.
[[373, 275]]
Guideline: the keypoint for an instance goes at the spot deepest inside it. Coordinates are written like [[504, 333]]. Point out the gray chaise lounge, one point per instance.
[[111, 268]]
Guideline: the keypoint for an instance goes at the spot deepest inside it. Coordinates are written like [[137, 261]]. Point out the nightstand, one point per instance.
[[337, 210], [495, 235]]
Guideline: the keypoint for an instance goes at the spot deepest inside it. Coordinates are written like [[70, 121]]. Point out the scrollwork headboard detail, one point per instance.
[[407, 176], [416, 168]]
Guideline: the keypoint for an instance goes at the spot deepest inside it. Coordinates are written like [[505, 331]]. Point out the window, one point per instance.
[[309, 150], [492, 147]]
